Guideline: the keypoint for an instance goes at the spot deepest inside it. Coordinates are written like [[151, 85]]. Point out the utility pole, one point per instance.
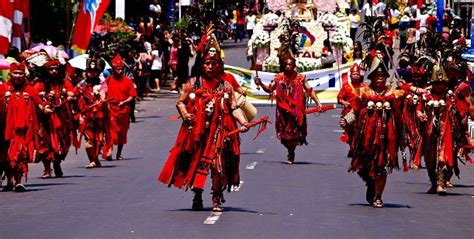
[[179, 11]]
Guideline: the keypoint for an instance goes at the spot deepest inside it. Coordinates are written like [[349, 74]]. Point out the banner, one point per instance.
[[6, 24], [88, 16], [327, 82]]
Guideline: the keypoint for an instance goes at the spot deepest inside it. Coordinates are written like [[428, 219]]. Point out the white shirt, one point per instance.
[[155, 8], [251, 22], [379, 8], [355, 20], [157, 63], [367, 10]]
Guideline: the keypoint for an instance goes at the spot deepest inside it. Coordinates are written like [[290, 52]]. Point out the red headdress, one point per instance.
[[417, 71], [355, 68], [16, 66], [209, 46], [52, 63], [117, 61]]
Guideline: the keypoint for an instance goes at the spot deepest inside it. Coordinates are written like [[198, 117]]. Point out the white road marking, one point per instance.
[[338, 131], [336, 116], [236, 189], [212, 219], [260, 151], [251, 165]]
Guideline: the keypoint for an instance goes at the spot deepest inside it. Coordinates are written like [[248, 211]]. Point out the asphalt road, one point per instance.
[[314, 198]]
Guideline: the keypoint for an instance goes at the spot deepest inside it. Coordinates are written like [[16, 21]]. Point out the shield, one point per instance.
[[80, 62]]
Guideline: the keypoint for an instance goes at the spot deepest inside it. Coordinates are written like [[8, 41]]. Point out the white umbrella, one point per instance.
[[80, 62]]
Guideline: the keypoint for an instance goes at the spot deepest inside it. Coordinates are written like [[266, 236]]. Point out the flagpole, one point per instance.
[[71, 33]]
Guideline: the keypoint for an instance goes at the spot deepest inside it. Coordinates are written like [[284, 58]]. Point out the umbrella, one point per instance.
[[4, 64], [50, 49], [80, 62]]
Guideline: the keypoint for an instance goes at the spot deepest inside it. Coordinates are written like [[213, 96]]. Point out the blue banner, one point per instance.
[[439, 15]]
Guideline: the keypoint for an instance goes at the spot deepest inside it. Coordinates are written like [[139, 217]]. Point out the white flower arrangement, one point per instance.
[[271, 64], [328, 21], [260, 39], [340, 38], [270, 19], [307, 64]]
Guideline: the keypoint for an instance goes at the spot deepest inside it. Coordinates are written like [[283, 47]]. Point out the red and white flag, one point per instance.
[[6, 23], [89, 15], [21, 11]]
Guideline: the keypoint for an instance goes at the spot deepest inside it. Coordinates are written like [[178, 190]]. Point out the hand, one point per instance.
[[69, 98], [47, 110], [188, 117], [346, 104], [342, 122], [319, 104], [422, 116], [121, 103], [244, 128], [257, 80]]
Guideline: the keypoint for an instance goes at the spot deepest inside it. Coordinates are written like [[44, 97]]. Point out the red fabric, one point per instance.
[[87, 19], [21, 125], [231, 79]]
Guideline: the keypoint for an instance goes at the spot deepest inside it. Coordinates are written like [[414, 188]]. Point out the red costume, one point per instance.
[[19, 118], [92, 115], [119, 90], [290, 119], [443, 132], [208, 108], [57, 131], [349, 93]]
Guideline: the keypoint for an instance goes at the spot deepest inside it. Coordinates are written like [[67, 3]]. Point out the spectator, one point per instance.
[[368, 12], [156, 67], [251, 20], [240, 23], [355, 22], [185, 51]]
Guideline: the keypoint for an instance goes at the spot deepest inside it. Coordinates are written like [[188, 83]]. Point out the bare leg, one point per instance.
[[119, 151], [47, 169], [380, 182]]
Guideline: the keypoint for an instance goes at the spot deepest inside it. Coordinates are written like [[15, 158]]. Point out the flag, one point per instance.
[[20, 12], [6, 23], [89, 15]]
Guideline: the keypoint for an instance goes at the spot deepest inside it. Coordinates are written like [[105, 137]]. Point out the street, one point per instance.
[[314, 198]]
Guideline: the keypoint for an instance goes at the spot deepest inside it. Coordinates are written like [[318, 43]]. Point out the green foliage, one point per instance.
[[182, 25], [391, 4]]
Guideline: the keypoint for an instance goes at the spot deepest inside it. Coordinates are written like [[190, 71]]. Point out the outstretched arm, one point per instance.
[[313, 94], [267, 88]]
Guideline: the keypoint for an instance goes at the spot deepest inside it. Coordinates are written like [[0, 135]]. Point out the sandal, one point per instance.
[[19, 188], [119, 158], [46, 174], [217, 208], [91, 165], [109, 158], [378, 203]]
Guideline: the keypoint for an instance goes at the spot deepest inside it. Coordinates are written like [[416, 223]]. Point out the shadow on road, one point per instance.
[[47, 184], [385, 205], [226, 209], [149, 117], [297, 163]]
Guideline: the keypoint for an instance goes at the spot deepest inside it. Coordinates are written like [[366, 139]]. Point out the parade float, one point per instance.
[[307, 26]]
